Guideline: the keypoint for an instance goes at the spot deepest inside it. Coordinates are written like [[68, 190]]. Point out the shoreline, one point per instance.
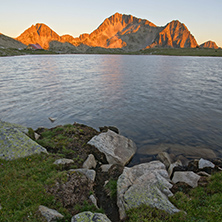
[[77, 170], [199, 52]]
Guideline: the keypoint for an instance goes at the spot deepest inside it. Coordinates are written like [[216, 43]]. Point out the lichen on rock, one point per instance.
[[146, 183], [14, 143]]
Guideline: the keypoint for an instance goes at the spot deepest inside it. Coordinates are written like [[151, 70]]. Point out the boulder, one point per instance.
[[50, 214], [90, 174], [117, 149], [88, 216], [14, 143], [188, 177], [146, 183], [90, 162], [63, 161], [205, 163]]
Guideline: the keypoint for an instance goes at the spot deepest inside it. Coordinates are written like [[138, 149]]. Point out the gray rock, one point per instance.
[[205, 163], [106, 167], [90, 174], [0, 206], [203, 174], [50, 214], [14, 143], [165, 158], [188, 177], [170, 170], [36, 136], [94, 201], [88, 216], [117, 149], [146, 183], [90, 162], [63, 161]]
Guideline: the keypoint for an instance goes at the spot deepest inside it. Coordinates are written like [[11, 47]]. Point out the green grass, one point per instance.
[[112, 187], [182, 52], [22, 188], [152, 51], [201, 204]]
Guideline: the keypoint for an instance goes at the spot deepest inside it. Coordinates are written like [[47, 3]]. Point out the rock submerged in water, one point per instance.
[[146, 183], [117, 149], [14, 143]]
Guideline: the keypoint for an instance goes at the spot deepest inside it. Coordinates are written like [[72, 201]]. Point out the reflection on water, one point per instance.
[[151, 99]]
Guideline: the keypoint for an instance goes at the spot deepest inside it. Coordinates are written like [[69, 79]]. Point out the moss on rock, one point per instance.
[[14, 143]]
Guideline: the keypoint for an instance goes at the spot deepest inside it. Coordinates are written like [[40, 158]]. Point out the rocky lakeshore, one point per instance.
[[75, 173]]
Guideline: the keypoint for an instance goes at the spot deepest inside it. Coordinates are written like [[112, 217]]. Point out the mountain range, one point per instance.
[[119, 31]]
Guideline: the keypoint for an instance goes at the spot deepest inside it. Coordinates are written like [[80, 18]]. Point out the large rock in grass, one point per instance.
[[88, 216], [147, 183], [14, 143], [117, 149]]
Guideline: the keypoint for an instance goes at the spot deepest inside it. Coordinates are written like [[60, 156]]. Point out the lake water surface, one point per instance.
[[151, 99]]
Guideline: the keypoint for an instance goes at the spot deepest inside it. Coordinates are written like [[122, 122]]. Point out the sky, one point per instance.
[[203, 18]]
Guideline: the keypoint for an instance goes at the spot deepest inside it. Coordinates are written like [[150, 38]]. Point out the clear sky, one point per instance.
[[203, 18]]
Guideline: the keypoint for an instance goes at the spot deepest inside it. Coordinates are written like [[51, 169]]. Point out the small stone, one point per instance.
[[205, 163], [52, 119], [90, 162], [0, 206], [63, 161], [106, 167], [203, 174], [94, 201], [36, 136], [50, 214], [187, 177]]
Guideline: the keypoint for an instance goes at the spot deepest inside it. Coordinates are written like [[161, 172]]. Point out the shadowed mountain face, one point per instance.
[[209, 44], [7, 42], [117, 31]]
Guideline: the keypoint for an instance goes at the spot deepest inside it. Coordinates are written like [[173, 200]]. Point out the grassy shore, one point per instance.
[[183, 52], [24, 183], [153, 51]]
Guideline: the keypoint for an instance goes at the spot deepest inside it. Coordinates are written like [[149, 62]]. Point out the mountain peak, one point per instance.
[[38, 33], [175, 35], [117, 31], [209, 44]]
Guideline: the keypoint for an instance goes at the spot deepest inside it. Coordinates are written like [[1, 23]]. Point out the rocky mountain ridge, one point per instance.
[[119, 31], [7, 42], [209, 44]]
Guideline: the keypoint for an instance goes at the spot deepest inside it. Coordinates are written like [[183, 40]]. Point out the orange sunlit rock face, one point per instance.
[[39, 33], [117, 31], [175, 35]]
